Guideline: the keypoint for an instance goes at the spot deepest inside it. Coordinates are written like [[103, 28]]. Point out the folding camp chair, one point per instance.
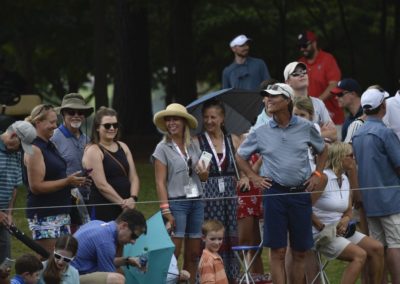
[[322, 264], [241, 254]]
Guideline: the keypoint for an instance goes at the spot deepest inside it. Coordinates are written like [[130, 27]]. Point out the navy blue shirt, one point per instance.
[[349, 120], [55, 167]]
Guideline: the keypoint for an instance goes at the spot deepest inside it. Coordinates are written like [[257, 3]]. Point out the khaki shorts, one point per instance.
[[334, 248], [94, 278], [386, 229]]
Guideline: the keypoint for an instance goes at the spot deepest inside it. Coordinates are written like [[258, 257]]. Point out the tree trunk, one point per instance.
[[132, 98], [99, 53], [182, 76]]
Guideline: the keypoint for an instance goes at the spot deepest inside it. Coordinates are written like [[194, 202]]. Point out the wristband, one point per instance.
[[135, 198], [317, 173], [164, 206]]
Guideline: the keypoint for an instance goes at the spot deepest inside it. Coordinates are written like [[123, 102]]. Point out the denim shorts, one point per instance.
[[284, 213], [189, 216]]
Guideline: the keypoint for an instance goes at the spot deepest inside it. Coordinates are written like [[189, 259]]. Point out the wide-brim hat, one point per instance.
[[74, 101], [174, 110]]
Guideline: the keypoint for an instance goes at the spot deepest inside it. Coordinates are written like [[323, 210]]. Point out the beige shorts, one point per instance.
[[386, 229], [334, 248], [94, 278]]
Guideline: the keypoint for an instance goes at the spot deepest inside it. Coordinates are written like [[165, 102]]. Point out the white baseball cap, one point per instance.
[[289, 69], [26, 133], [279, 89], [239, 40], [373, 98]]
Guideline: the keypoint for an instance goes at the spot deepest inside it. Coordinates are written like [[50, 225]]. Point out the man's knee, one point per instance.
[[299, 255], [278, 254], [115, 278]]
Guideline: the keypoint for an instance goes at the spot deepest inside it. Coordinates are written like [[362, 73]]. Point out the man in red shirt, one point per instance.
[[323, 72]]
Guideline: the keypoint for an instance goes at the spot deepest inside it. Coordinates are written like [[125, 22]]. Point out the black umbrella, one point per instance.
[[14, 231], [241, 108]]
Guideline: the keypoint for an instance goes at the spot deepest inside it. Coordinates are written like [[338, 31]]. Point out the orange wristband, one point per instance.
[[317, 173], [164, 206]]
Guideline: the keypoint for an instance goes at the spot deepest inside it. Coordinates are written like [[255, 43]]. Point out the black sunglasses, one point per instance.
[[304, 45], [299, 73], [108, 125], [72, 112], [189, 163], [63, 258]]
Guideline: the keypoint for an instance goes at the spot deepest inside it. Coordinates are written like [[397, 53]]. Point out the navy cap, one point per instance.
[[347, 84]]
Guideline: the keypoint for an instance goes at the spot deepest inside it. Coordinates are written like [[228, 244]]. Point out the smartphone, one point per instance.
[[7, 264], [206, 157], [86, 172]]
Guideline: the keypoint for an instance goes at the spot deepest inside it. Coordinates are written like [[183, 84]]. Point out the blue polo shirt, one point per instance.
[[97, 247], [284, 150], [377, 151], [70, 147], [10, 174]]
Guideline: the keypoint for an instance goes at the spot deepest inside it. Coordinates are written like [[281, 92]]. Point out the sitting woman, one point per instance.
[[332, 214], [57, 269]]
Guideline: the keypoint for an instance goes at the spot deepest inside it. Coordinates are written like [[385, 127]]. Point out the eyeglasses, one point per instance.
[[189, 164], [72, 112], [299, 73], [108, 125], [63, 258]]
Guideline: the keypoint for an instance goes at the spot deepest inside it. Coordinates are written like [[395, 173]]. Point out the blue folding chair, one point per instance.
[[241, 254]]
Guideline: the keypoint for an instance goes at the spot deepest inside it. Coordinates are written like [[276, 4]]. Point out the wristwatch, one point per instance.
[[135, 198]]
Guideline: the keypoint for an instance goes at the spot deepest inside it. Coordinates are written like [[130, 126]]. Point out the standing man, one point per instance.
[[96, 258], [348, 93], [17, 134], [377, 151], [323, 72], [283, 143], [244, 72]]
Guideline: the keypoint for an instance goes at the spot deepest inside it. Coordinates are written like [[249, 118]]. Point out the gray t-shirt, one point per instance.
[[284, 150], [176, 165], [321, 114]]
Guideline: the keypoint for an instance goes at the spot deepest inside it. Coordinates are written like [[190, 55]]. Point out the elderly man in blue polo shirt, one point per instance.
[[377, 151], [283, 144]]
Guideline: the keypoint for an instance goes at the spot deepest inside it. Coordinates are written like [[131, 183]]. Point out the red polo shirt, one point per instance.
[[322, 71]]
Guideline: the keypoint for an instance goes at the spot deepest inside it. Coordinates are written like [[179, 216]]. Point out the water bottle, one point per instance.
[[143, 258]]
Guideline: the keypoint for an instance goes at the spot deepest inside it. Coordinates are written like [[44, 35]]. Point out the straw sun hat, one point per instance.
[[174, 110]]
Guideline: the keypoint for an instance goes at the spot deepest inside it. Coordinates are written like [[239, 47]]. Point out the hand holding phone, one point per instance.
[[206, 158]]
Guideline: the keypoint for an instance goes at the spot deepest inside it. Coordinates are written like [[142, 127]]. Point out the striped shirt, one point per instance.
[[10, 174], [211, 268]]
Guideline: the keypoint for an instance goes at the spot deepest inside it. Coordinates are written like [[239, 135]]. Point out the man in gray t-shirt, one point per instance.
[[283, 143]]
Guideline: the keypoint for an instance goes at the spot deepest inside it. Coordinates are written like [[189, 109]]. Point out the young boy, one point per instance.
[[211, 266], [27, 268]]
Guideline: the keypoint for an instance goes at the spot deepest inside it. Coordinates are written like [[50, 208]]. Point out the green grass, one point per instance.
[[146, 205]]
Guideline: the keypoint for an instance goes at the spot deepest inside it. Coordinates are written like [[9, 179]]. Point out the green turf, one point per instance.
[[147, 196]]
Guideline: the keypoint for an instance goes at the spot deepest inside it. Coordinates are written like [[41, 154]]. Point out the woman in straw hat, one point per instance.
[[178, 180], [114, 172], [48, 183]]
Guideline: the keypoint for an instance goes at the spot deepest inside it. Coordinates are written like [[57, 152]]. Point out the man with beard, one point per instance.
[[244, 72], [323, 72], [70, 140]]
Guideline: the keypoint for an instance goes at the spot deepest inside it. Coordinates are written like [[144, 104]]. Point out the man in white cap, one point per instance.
[[18, 134], [244, 72], [377, 152], [283, 143]]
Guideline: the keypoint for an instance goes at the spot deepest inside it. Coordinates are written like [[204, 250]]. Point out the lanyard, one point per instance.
[[219, 162], [185, 158]]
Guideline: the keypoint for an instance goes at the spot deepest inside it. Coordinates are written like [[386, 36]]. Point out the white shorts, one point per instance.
[[386, 229], [334, 248]]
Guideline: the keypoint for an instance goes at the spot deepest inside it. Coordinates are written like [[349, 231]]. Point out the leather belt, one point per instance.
[[299, 188]]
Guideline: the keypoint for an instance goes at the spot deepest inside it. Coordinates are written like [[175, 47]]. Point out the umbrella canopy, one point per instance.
[[241, 108], [159, 252]]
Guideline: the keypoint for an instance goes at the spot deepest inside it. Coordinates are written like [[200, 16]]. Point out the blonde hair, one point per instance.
[[211, 226], [39, 113], [336, 152]]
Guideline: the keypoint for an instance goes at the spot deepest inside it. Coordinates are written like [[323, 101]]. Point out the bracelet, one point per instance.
[[127, 262], [317, 173], [164, 206], [135, 198]]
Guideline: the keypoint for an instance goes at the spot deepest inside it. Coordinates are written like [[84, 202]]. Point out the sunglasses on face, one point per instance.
[[299, 73], [343, 94], [63, 258], [72, 112], [304, 45], [108, 125]]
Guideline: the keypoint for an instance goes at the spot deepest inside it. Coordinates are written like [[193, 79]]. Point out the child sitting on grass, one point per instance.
[[27, 268], [211, 266]]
